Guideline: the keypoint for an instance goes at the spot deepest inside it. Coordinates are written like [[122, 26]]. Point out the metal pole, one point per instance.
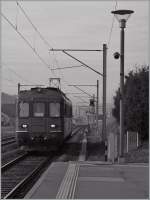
[[97, 103], [122, 88], [79, 111], [17, 111], [94, 112], [18, 88], [104, 91]]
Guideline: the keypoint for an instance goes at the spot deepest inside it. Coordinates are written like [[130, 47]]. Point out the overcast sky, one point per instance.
[[77, 25]]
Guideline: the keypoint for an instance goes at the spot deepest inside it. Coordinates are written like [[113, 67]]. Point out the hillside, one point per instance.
[[7, 98], [4, 119], [8, 106]]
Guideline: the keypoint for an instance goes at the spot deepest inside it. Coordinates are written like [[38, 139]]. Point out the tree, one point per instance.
[[136, 102]]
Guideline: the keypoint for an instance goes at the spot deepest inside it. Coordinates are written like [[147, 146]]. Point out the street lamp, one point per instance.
[[122, 16]]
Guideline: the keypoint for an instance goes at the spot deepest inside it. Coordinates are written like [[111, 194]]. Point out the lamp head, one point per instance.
[[122, 16]]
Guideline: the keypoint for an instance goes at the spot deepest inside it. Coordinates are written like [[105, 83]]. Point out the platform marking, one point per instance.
[[103, 179], [96, 163], [68, 184], [132, 165], [102, 168]]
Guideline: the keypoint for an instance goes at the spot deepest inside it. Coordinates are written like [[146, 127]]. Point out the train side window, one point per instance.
[[38, 109], [54, 109], [23, 109]]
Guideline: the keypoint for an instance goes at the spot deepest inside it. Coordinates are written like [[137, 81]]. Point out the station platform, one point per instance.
[[92, 180]]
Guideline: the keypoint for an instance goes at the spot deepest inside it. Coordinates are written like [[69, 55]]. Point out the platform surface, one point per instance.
[[92, 180]]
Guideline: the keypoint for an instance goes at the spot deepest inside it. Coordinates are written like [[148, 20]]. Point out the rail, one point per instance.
[[27, 180], [18, 174]]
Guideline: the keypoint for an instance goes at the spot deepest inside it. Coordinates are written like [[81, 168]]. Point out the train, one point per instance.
[[44, 118]]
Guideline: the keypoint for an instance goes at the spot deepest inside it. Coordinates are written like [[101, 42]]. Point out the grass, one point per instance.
[[140, 155], [96, 149]]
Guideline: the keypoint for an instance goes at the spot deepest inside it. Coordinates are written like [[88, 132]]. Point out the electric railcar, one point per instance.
[[44, 118]]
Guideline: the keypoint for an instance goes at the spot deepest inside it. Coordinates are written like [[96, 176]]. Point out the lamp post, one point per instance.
[[122, 16]]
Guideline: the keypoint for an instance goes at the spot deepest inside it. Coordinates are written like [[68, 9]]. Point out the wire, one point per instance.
[[45, 41], [35, 28], [9, 80], [18, 75], [66, 67], [17, 13], [41, 36], [110, 33], [25, 40], [14, 86]]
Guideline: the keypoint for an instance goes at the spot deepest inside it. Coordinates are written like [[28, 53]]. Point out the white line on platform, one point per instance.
[[132, 165], [103, 179], [68, 184]]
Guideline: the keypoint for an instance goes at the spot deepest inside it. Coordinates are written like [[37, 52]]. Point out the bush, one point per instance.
[[136, 102]]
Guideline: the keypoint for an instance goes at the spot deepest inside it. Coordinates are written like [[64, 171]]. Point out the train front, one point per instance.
[[40, 121]]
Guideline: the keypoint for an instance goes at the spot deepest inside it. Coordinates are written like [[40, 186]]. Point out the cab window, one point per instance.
[[23, 109], [38, 109], [54, 109]]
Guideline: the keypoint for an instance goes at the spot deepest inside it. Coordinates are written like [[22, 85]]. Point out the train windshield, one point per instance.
[[38, 109], [23, 109], [54, 109]]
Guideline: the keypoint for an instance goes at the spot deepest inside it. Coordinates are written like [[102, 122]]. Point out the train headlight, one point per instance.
[[24, 125], [53, 126]]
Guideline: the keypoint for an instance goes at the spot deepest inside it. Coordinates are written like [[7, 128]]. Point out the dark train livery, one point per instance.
[[44, 118]]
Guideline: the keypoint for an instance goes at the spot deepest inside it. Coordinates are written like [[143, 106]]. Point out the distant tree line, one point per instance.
[[136, 102]]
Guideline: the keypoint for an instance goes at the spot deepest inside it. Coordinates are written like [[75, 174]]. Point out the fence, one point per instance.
[[131, 142]]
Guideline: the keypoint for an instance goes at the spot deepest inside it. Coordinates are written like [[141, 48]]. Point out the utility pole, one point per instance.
[[97, 105], [65, 51], [17, 113], [104, 136]]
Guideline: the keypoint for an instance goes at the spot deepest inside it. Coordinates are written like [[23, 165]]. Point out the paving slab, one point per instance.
[[47, 186], [112, 182], [92, 180]]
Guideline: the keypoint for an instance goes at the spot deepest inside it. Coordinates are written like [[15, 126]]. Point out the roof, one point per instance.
[[43, 93]]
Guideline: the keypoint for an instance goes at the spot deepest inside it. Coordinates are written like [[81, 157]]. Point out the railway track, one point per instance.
[[20, 173], [8, 140]]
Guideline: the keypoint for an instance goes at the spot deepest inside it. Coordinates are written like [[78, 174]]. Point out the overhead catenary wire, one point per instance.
[[35, 28], [9, 80], [44, 40], [27, 42], [16, 74], [111, 29], [14, 86], [40, 35], [67, 67], [17, 13]]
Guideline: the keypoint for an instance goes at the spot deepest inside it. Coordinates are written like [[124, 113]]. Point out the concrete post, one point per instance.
[[97, 105], [104, 91]]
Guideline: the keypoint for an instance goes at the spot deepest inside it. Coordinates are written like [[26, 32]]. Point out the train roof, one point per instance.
[[39, 92]]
